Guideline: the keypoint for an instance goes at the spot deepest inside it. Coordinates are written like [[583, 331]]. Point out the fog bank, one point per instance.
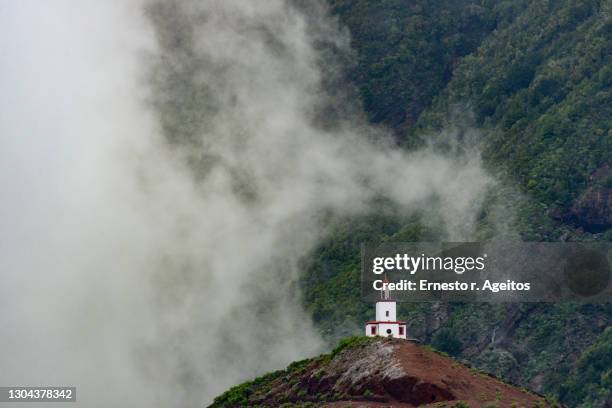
[[165, 167]]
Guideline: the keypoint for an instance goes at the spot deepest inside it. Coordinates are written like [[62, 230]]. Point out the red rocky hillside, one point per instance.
[[377, 372]]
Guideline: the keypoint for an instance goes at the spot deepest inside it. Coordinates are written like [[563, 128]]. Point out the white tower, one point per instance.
[[386, 323]]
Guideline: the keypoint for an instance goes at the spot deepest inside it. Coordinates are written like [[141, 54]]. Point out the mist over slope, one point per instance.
[[534, 77], [165, 168]]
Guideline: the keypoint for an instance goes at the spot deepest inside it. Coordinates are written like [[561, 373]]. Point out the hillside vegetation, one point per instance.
[[533, 78]]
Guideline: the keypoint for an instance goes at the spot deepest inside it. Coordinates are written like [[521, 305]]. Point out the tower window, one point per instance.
[[387, 313]]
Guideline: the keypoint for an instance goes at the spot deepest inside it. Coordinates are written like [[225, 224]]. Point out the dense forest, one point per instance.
[[532, 79]]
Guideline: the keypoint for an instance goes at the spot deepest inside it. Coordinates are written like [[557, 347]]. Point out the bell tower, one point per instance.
[[386, 323]]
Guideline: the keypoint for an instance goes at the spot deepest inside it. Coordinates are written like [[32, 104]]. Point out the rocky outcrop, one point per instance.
[[592, 210], [367, 372]]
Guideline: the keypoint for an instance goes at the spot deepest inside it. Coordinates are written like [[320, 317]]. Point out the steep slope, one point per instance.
[[535, 75], [406, 50], [541, 87], [376, 372], [591, 381], [534, 78]]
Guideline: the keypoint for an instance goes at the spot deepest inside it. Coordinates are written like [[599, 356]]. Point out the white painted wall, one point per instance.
[[382, 308], [392, 327], [385, 312], [382, 330]]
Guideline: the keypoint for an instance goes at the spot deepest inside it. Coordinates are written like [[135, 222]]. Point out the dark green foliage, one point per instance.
[[239, 395], [541, 84], [407, 50], [351, 342], [535, 74], [591, 380], [535, 77], [445, 341]]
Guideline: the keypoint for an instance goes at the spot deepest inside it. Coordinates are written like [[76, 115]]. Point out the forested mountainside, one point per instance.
[[536, 75], [534, 79], [542, 84]]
